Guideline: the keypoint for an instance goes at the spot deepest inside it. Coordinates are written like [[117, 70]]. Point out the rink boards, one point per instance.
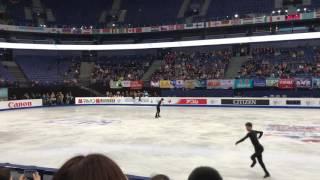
[[202, 101]]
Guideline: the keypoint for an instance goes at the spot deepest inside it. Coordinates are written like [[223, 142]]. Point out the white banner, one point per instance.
[[20, 104]]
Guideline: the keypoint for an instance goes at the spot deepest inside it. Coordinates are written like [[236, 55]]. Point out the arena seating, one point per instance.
[[5, 75], [121, 67], [194, 65], [283, 63], [48, 69]]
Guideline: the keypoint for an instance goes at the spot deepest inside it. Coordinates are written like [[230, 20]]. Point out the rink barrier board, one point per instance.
[[20, 104], [204, 102]]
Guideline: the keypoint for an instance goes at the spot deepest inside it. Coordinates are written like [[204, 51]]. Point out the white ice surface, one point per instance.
[[181, 140]]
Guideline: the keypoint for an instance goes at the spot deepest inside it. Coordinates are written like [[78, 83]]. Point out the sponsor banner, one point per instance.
[[138, 30], [272, 82], [226, 23], [236, 22], [86, 31], [164, 28], [278, 18], [246, 102], [190, 26], [155, 28], [303, 83], [305, 16], [136, 84], [97, 100], [165, 84], [20, 104], [249, 20], [191, 101], [126, 84], [131, 30], [115, 84], [220, 84], [200, 83], [259, 83], [293, 102], [316, 82], [286, 83], [213, 84], [243, 83], [293, 17], [106, 31], [179, 26], [189, 84], [30, 29], [155, 83], [199, 25], [178, 83], [261, 19], [317, 14]]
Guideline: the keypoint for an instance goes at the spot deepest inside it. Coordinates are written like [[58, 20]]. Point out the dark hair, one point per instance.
[[204, 173], [162, 99], [65, 171], [249, 124], [4, 174], [91, 167], [160, 177]]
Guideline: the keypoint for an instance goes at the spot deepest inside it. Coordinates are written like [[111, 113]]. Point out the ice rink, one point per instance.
[[184, 138]]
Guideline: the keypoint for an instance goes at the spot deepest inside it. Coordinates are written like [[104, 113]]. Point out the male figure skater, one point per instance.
[[158, 108], [258, 148]]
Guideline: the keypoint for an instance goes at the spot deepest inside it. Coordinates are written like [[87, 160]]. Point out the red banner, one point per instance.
[[192, 101], [286, 83], [136, 84], [293, 17]]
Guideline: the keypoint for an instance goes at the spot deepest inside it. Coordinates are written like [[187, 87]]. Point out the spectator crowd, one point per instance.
[[282, 63], [100, 167], [194, 65]]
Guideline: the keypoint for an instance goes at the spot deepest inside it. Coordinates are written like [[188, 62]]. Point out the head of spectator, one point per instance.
[[65, 171], [160, 177], [204, 173], [91, 167], [5, 174]]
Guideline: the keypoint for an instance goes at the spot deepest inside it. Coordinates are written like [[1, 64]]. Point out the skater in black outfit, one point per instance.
[[158, 108], [253, 135]]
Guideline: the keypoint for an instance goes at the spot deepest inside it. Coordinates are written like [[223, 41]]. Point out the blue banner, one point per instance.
[[259, 83]]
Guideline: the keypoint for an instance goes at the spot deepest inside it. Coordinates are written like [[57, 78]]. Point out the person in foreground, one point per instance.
[[258, 148], [90, 167], [158, 108], [204, 173]]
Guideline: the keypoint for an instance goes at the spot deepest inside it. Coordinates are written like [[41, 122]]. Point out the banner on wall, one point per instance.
[[200, 83], [115, 84], [303, 83], [155, 84], [165, 84], [286, 83], [136, 84], [272, 82], [243, 83], [178, 83], [189, 84], [220, 84], [316, 82], [261, 19], [259, 83]]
